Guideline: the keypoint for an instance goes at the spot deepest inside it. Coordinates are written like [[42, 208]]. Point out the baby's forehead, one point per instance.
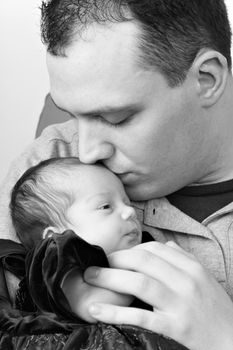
[[96, 176], [90, 171]]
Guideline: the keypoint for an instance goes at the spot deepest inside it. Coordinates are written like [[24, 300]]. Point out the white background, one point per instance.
[[23, 76]]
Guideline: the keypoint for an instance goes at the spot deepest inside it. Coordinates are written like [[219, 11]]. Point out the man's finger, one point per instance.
[[149, 264], [153, 321], [151, 291], [170, 253]]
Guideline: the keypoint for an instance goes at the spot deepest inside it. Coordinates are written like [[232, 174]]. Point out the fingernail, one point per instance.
[[92, 272], [95, 309], [171, 243]]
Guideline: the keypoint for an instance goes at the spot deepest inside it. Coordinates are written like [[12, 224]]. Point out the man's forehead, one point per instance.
[[105, 44], [110, 54], [99, 74]]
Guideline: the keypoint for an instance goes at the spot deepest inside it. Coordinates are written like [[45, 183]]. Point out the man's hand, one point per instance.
[[189, 305], [81, 295]]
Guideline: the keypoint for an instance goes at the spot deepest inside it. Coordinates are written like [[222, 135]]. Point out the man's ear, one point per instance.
[[211, 72], [49, 231]]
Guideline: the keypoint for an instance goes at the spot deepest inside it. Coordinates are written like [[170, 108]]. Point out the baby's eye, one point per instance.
[[105, 207]]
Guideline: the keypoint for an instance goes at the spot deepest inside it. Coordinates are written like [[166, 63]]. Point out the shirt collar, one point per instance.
[[225, 210], [160, 213]]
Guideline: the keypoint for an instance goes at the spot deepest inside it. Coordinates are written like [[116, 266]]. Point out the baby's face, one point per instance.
[[101, 213]]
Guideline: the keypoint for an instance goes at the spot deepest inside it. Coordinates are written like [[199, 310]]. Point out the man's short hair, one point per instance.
[[172, 31]]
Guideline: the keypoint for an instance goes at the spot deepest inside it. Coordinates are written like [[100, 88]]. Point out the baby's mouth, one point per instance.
[[134, 233]]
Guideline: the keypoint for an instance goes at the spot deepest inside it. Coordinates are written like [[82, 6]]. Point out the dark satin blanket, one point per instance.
[[42, 319]]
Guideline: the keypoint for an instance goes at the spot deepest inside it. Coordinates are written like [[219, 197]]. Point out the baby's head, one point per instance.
[[62, 193]]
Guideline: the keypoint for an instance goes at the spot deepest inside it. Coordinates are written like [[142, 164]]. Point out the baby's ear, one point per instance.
[[49, 231]]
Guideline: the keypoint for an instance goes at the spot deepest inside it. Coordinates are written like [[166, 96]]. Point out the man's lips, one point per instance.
[[127, 177], [123, 174], [119, 173]]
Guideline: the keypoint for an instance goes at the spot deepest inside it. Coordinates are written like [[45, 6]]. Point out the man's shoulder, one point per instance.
[[64, 132], [57, 140]]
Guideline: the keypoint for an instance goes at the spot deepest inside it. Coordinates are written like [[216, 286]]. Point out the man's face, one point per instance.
[[101, 212], [149, 134]]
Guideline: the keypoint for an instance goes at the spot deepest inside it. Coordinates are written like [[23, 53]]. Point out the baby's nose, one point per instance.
[[128, 212]]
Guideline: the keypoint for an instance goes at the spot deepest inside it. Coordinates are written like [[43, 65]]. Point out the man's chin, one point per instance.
[[140, 192]]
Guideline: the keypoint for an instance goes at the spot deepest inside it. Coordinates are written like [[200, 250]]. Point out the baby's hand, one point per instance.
[[81, 295]]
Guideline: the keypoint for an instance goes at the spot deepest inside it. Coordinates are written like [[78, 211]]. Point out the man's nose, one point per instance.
[[128, 212], [93, 146]]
